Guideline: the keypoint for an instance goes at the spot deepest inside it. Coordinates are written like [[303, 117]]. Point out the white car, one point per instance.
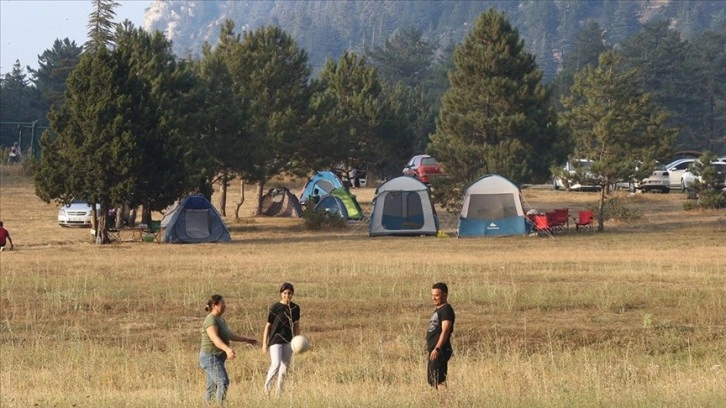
[[676, 169], [689, 177], [76, 214], [588, 182], [659, 180]]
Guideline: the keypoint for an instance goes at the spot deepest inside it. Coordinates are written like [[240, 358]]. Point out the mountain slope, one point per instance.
[[326, 28]]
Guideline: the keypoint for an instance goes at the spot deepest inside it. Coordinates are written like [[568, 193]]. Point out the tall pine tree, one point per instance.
[[496, 116], [273, 76], [614, 124]]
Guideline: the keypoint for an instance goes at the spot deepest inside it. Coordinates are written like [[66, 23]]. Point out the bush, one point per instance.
[[711, 199], [315, 221], [615, 209]]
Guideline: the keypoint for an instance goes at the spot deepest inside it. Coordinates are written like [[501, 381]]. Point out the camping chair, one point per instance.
[[584, 220], [541, 225], [554, 224], [114, 235], [154, 230], [562, 216]]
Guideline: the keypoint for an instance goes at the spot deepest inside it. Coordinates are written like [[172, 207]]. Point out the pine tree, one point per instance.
[[495, 117], [614, 124], [54, 66], [224, 120], [19, 102], [405, 57], [353, 85], [273, 77], [588, 46], [159, 89], [120, 136], [95, 150], [667, 69], [101, 25]]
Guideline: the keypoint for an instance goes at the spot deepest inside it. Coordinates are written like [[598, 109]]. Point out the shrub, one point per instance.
[[711, 199], [615, 209], [314, 220]]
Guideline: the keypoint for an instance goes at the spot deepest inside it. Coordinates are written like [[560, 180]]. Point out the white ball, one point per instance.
[[300, 344]]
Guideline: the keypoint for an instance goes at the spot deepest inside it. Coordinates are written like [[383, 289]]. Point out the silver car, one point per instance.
[[76, 214]]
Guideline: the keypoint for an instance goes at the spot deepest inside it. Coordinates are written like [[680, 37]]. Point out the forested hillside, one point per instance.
[[328, 28]]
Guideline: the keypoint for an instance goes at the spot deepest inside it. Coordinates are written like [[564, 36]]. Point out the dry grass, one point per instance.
[[634, 316]]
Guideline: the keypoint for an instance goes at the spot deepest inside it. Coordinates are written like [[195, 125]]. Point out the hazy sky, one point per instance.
[[29, 27]]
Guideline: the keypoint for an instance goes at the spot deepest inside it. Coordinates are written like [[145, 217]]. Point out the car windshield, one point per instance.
[[429, 161]]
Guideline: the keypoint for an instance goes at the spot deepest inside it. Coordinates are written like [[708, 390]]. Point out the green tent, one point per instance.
[[351, 204]]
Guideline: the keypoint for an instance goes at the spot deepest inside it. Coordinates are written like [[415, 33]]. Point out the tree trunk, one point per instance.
[[146, 215], [120, 212], [241, 199], [102, 226], [131, 220], [601, 211], [260, 188], [224, 179]]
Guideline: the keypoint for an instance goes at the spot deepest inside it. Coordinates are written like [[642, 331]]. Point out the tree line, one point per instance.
[[138, 126]]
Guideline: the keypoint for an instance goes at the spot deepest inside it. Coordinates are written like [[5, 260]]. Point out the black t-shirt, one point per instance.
[[445, 312], [282, 317]]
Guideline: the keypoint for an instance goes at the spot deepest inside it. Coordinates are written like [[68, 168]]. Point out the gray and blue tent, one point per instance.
[[402, 206], [492, 207], [195, 220]]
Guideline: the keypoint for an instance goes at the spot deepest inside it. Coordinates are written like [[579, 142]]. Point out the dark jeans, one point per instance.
[[217, 379], [437, 369]]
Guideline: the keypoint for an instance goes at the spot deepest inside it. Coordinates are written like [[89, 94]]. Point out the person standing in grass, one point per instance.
[[438, 336], [5, 238], [283, 323], [215, 349]]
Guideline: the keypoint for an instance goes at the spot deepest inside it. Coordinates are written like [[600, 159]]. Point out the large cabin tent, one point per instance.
[[492, 207], [402, 206]]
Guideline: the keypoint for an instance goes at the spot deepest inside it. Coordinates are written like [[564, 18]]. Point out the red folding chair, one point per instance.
[[541, 225], [562, 216], [584, 220], [556, 224]]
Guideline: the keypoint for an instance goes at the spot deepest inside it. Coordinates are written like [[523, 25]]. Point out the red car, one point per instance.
[[422, 167]]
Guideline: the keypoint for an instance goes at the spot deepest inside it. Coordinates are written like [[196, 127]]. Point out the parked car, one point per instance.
[[689, 177], [566, 178], [676, 169], [659, 180], [423, 167], [76, 214]]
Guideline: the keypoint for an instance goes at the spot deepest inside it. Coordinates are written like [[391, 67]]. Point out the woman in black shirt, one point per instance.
[[283, 323]]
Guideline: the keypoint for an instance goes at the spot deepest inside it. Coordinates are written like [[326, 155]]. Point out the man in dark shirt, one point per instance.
[[438, 337]]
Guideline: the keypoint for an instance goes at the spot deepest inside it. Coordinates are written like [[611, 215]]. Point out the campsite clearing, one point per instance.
[[619, 318]]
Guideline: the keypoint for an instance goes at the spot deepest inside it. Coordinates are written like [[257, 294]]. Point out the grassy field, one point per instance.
[[634, 316]]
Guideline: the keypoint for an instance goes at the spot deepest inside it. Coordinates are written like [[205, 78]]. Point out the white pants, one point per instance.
[[280, 358]]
